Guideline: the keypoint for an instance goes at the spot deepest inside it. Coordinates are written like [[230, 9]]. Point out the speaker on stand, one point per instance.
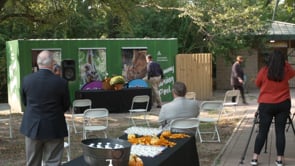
[[68, 70]]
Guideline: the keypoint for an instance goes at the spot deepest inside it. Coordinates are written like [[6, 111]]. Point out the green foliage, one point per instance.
[[228, 25], [217, 26], [165, 23], [285, 11]]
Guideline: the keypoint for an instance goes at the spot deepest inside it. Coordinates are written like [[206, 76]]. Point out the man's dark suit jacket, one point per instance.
[[46, 97]]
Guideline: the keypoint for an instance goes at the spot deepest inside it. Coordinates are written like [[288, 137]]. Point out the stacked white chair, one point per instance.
[[95, 119], [228, 100], [210, 113], [190, 95], [135, 110], [67, 144], [79, 103], [186, 125], [5, 107]]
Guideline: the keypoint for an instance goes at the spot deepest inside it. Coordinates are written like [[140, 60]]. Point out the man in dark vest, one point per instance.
[[154, 77]]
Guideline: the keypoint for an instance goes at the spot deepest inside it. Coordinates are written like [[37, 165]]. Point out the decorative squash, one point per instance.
[[117, 80], [106, 84], [118, 86], [135, 160]]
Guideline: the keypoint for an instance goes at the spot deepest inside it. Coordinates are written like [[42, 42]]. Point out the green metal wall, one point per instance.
[[19, 59]]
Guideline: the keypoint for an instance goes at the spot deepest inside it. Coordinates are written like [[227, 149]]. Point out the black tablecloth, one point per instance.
[[184, 153], [115, 101]]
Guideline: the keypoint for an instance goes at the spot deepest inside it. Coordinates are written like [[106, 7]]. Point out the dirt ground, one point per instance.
[[12, 151]]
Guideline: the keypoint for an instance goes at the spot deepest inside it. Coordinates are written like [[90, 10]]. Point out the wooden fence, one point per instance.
[[195, 70]]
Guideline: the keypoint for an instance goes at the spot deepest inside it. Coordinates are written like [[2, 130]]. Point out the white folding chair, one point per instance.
[[186, 125], [210, 112], [190, 95], [67, 144], [6, 107], [79, 104], [95, 119], [231, 99], [139, 106]]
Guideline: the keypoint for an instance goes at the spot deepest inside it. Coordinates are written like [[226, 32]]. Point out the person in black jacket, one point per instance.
[[154, 76], [237, 78], [46, 97]]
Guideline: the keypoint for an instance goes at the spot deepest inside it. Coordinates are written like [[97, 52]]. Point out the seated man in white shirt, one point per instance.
[[179, 107]]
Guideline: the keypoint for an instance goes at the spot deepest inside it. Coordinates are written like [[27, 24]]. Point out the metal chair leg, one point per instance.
[[291, 123], [10, 126]]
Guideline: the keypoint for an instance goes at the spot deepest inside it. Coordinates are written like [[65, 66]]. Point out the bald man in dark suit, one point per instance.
[[46, 97]]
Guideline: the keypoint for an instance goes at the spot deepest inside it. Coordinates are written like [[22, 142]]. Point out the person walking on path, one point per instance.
[[46, 97], [154, 76], [274, 101], [237, 78]]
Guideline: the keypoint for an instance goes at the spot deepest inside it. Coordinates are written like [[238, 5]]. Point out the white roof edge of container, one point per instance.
[[102, 39]]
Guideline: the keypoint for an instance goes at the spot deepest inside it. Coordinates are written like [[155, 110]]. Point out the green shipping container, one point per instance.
[[107, 57]]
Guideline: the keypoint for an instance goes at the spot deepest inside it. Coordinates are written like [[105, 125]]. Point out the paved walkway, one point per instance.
[[233, 152]]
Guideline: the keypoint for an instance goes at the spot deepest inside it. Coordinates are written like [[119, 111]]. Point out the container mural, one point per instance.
[[92, 66], [86, 63]]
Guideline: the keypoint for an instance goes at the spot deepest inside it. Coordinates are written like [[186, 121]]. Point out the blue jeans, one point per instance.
[[281, 112]]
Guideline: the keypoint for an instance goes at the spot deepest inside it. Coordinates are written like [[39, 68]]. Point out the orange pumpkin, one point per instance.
[[135, 160], [106, 84]]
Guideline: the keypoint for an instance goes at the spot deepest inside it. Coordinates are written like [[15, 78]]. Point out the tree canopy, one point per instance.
[[200, 25], [216, 26]]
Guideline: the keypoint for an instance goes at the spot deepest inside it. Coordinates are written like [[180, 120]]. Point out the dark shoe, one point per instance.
[[158, 106], [244, 102], [254, 162], [279, 163]]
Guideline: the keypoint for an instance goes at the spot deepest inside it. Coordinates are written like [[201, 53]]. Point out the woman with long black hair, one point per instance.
[[274, 101]]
